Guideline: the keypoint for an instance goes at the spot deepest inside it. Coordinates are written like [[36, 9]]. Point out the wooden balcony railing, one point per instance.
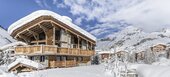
[[50, 49]]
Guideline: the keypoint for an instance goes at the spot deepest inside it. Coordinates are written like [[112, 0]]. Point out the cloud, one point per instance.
[[43, 4], [39, 3], [150, 15], [97, 10]]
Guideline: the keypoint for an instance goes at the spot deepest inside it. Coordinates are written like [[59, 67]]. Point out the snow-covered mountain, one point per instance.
[[5, 38], [134, 39]]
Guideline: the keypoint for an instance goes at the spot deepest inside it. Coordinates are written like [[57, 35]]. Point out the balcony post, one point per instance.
[[65, 61], [78, 47], [87, 45], [67, 41], [53, 34], [75, 61], [42, 49]]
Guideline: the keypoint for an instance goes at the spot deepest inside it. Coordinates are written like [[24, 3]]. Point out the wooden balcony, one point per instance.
[[51, 50]]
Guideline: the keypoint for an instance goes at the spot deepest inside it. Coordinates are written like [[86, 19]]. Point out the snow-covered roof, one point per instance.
[[12, 44], [26, 62], [105, 52], [36, 14]]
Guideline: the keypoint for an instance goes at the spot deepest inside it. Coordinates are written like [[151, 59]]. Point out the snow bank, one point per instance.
[[39, 13], [162, 61], [82, 71], [153, 71], [26, 62], [144, 70]]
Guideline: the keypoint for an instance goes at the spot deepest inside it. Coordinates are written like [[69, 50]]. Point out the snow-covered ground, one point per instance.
[[81, 71], [153, 71], [142, 70]]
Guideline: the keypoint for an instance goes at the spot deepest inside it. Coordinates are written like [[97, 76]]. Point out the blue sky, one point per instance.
[[101, 18], [13, 10]]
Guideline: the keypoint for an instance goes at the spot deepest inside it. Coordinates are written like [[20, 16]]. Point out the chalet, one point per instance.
[[139, 56], [122, 55], [104, 55], [52, 40], [158, 48], [24, 65]]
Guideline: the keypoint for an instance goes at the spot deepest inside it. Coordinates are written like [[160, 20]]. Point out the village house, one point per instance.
[[104, 55], [159, 50], [122, 55], [139, 56], [52, 40]]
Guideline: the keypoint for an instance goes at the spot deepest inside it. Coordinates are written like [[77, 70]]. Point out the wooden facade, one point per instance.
[[53, 43]]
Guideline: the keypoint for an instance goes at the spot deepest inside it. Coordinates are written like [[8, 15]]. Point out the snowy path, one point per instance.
[[82, 71]]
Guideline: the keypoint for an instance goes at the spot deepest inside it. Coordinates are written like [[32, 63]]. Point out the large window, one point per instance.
[[42, 36], [42, 58], [32, 58]]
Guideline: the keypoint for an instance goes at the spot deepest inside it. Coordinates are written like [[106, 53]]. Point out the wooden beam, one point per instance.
[[44, 28], [45, 31], [24, 38], [38, 23], [53, 35], [34, 34]]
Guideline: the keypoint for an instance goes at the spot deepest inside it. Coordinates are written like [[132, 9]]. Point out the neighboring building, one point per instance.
[[53, 40], [24, 65], [122, 55], [105, 55], [10, 48], [158, 48], [140, 56]]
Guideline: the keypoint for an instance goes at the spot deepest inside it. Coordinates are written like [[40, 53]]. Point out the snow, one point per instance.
[[153, 71], [162, 61], [39, 13], [12, 44], [26, 62], [5, 38], [82, 71], [102, 52]]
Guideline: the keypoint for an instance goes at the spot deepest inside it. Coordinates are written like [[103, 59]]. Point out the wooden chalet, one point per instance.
[[53, 40], [158, 48], [105, 54]]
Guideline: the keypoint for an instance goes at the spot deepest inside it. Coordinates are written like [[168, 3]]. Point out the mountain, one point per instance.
[[5, 38], [134, 39]]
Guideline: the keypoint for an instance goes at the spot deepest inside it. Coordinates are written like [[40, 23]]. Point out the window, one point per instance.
[[58, 58], [42, 36], [42, 58], [32, 58]]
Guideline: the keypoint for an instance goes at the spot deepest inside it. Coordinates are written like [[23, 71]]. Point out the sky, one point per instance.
[[101, 18]]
